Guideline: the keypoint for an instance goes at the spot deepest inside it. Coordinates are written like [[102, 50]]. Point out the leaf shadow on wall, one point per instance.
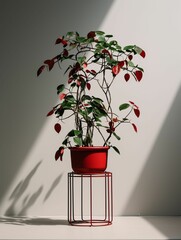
[[53, 186], [32, 98], [157, 191], [22, 199]]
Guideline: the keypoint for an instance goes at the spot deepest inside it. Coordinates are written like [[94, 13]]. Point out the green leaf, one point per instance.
[[101, 39], [83, 84], [66, 105], [96, 60], [60, 88], [67, 69], [141, 69], [124, 106], [109, 36], [73, 85], [137, 49], [99, 47], [69, 34], [96, 118], [84, 114], [80, 39], [81, 60], [77, 132], [131, 64], [129, 47], [113, 42], [99, 112], [111, 61], [89, 110], [118, 138], [100, 125], [116, 149], [85, 97], [78, 141], [99, 32], [125, 119], [70, 56], [65, 142], [60, 112], [71, 133], [112, 48], [118, 47], [70, 98], [96, 99]]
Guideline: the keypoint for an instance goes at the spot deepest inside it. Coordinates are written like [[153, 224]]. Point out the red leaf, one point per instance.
[[50, 63], [62, 96], [115, 119], [64, 42], [126, 62], [56, 57], [65, 53], [87, 71], [134, 126], [61, 152], [78, 82], [88, 86], [127, 77], [138, 75], [111, 124], [133, 104], [61, 40], [84, 65], [130, 57], [121, 64], [50, 113], [70, 80], [57, 155], [93, 72], [84, 105], [137, 112], [57, 127], [108, 130], [142, 53], [91, 34], [72, 71], [77, 66], [40, 69], [105, 51], [116, 70]]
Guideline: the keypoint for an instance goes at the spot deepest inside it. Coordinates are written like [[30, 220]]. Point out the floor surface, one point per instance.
[[122, 228]]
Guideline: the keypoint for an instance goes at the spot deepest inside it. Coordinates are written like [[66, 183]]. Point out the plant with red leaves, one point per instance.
[[89, 60]]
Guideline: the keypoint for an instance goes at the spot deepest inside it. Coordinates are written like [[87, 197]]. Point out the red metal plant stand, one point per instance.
[[90, 199]]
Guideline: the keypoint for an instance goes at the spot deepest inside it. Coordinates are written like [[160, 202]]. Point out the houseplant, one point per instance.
[[93, 61]]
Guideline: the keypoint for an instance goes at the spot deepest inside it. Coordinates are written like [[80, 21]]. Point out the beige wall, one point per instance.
[[147, 173]]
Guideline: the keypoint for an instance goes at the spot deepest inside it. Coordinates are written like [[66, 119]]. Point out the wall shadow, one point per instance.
[[169, 226], [22, 199], [19, 195], [158, 186], [33, 221], [24, 99], [53, 186]]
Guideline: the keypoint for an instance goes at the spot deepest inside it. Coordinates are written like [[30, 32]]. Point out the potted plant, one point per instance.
[[94, 61]]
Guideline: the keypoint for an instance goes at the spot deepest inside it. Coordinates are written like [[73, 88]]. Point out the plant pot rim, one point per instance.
[[82, 148]]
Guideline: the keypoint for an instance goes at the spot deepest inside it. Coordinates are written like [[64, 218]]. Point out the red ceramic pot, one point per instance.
[[89, 159]]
